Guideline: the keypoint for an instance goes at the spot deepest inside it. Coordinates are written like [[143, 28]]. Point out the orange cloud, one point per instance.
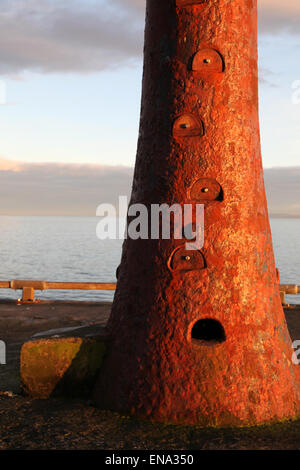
[[10, 165]]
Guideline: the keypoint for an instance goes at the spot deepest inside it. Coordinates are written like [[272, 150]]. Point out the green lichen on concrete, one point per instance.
[[60, 366]]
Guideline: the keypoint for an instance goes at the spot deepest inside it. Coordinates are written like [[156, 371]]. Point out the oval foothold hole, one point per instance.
[[206, 190], [188, 125], [208, 61], [186, 260], [208, 331]]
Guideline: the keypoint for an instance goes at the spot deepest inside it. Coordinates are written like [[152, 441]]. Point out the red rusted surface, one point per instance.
[[154, 367]]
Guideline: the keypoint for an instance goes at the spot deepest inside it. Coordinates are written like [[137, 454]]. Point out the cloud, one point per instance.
[[278, 16], [86, 36], [266, 77], [283, 190], [69, 35], [69, 189], [60, 189]]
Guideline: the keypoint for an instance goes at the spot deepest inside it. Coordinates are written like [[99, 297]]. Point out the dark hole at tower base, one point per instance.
[[208, 330]]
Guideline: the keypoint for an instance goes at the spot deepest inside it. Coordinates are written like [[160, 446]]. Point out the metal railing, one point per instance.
[[288, 289], [29, 287]]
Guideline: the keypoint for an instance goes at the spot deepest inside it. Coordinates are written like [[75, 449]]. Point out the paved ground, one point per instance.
[[76, 424]]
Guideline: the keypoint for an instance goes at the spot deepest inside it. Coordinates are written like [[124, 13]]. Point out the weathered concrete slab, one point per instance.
[[19, 323], [60, 366]]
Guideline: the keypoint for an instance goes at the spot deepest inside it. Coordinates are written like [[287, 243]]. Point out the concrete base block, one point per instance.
[[60, 366]]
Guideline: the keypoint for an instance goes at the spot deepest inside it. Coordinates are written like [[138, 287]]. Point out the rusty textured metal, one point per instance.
[[184, 3], [203, 346]]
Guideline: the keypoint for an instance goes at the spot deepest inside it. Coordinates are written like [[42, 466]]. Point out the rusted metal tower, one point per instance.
[[201, 339]]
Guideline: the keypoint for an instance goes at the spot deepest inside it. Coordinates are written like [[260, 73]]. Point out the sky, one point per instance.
[[72, 74]]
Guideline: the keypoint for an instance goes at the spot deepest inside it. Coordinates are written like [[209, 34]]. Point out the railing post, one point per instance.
[[28, 294], [282, 296]]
